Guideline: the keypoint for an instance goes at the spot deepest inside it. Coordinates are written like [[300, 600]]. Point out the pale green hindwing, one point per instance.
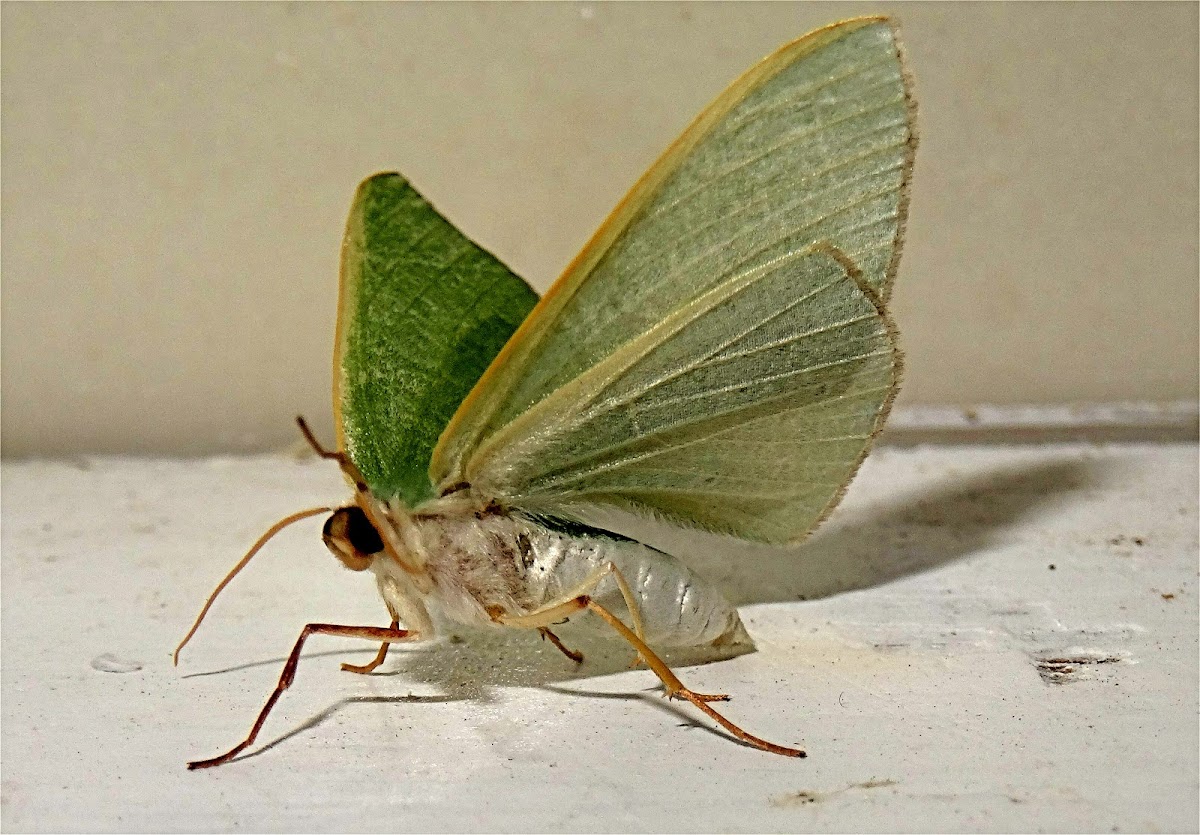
[[743, 412], [719, 354]]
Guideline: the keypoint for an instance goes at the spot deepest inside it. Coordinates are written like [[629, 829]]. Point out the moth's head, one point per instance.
[[349, 534]]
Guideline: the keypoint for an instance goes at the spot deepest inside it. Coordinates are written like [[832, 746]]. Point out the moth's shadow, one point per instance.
[[472, 663], [872, 543]]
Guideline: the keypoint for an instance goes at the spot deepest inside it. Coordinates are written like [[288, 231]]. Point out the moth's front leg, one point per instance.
[[376, 633]]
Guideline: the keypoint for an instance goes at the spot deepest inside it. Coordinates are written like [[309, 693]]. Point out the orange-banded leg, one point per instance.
[[376, 633], [558, 609], [676, 690]]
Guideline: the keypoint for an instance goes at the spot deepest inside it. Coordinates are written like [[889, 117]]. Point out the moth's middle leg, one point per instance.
[[369, 667], [575, 656]]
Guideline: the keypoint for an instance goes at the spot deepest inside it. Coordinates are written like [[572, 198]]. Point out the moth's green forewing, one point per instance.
[[422, 313]]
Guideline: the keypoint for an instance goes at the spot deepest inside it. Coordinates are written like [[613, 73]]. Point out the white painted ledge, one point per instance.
[[981, 638], [1170, 422]]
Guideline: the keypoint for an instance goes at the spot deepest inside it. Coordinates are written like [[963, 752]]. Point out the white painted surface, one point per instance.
[[911, 673]]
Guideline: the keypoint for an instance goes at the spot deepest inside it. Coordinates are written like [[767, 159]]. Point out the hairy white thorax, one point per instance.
[[476, 566]]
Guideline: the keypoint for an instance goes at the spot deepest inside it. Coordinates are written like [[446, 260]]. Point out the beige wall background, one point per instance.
[[176, 178]]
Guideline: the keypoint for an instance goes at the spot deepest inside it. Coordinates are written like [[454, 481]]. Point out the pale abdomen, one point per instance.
[[521, 564]]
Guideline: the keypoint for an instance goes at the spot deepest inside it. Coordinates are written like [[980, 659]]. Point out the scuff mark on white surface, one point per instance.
[[1073, 665], [804, 798]]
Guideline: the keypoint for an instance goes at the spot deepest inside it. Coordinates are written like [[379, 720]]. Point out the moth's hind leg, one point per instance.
[[579, 600], [676, 690], [375, 633]]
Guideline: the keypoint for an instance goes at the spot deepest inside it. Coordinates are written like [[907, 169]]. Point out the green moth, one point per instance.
[[719, 356]]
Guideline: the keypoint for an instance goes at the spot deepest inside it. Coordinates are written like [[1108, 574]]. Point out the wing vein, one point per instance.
[[772, 378], [773, 242], [793, 139], [702, 361], [739, 496], [750, 115], [576, 472], [806, 197]]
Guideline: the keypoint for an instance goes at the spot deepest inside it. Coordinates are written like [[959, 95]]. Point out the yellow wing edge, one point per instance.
[[525, 337], [347, 297]]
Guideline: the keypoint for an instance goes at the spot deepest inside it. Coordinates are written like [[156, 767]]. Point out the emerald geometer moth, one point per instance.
[[719, 356]]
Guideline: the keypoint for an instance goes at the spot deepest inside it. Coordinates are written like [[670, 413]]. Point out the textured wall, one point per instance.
[[176, 177]]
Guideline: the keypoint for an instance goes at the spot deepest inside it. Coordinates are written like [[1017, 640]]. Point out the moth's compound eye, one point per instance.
[[362, 533], [352, 538]]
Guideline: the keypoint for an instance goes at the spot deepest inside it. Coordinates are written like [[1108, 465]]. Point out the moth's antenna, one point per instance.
[[351, 471], [262, 540], [314, 443]]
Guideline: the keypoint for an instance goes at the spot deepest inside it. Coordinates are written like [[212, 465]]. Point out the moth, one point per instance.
[[719, 357]]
